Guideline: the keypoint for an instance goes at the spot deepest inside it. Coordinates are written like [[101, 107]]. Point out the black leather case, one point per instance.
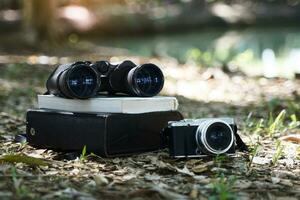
[[106, 134]]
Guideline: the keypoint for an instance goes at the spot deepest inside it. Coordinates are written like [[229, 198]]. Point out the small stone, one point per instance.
[[101, 180], [261, 160], [275, 180]]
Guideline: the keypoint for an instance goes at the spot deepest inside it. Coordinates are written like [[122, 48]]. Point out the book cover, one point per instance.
[[109, 104]]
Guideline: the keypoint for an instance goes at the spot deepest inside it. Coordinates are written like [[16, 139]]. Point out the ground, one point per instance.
[[266, 111]]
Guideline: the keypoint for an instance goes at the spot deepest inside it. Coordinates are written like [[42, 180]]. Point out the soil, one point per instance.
[[266, 111]]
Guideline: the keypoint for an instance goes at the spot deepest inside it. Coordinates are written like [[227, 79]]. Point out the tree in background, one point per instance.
[[39, 20]]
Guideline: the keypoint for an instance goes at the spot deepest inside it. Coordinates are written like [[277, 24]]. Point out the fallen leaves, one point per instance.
[[291, 138], [161, 165], [68, 193], [169, 194], [202, 167], [154, 175], [261, 160], [6, 195], [243, 184]]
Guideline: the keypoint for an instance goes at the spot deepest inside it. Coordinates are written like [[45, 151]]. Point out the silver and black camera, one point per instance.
[[198, 137]]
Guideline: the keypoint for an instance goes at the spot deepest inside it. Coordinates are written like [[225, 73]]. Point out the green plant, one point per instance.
[[21, 190], [279, 152], [274, 104], [83, 155], [219, 159], [294, 122], [293, 106], [273, 125], [259, 127], [277, 124], [253, 126], [92, 155], [222, 188], [253, 152]]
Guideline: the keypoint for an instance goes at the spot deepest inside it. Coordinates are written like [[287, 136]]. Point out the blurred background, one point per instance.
[[210, 50], [233, 58]]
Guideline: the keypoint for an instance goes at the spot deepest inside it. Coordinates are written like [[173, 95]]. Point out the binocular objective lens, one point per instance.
[[82, 81], [147, 80]]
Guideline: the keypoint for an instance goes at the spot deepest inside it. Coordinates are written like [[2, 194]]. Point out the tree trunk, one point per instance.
[[39, 20]]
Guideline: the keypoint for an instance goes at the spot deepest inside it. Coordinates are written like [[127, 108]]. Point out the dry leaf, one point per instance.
[[291, 138], [243, 184], [199, 169], [169, 194], [287, 198], [152, 177], [68, 193], [128, 177], [194, 193], [286, 182], [261, 160], [185, 170]]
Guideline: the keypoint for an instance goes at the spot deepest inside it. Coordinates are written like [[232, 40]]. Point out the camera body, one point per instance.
[[84, 79], [200, 137]]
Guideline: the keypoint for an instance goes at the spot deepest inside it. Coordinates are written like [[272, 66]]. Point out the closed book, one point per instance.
[[109, 104]]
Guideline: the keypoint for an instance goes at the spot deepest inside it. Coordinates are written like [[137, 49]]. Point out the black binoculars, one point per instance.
[[84, 79]]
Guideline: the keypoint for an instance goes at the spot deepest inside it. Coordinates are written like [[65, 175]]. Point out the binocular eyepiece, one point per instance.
[[83, 79]]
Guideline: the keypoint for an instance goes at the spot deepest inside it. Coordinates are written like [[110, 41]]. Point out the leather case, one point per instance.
[[106, 134]]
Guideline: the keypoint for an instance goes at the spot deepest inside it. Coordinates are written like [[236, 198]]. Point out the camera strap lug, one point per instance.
[[240, 143]]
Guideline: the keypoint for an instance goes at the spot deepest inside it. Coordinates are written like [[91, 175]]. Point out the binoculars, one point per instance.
[[84, 79]]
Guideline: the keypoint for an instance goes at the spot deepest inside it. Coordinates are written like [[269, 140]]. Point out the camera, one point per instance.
[[84, 79], [198, 137]]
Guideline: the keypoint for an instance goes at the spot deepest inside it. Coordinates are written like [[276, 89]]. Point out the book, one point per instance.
[[109, 104]]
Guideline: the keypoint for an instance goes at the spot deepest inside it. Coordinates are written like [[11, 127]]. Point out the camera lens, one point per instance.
[[145, 80], [214, 136], [80, 81]]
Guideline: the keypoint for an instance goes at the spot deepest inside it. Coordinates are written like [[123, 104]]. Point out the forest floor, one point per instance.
[[266, 110]]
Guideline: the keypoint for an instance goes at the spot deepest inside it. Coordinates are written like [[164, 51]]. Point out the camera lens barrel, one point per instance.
[[214, 136], [145, 80]]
